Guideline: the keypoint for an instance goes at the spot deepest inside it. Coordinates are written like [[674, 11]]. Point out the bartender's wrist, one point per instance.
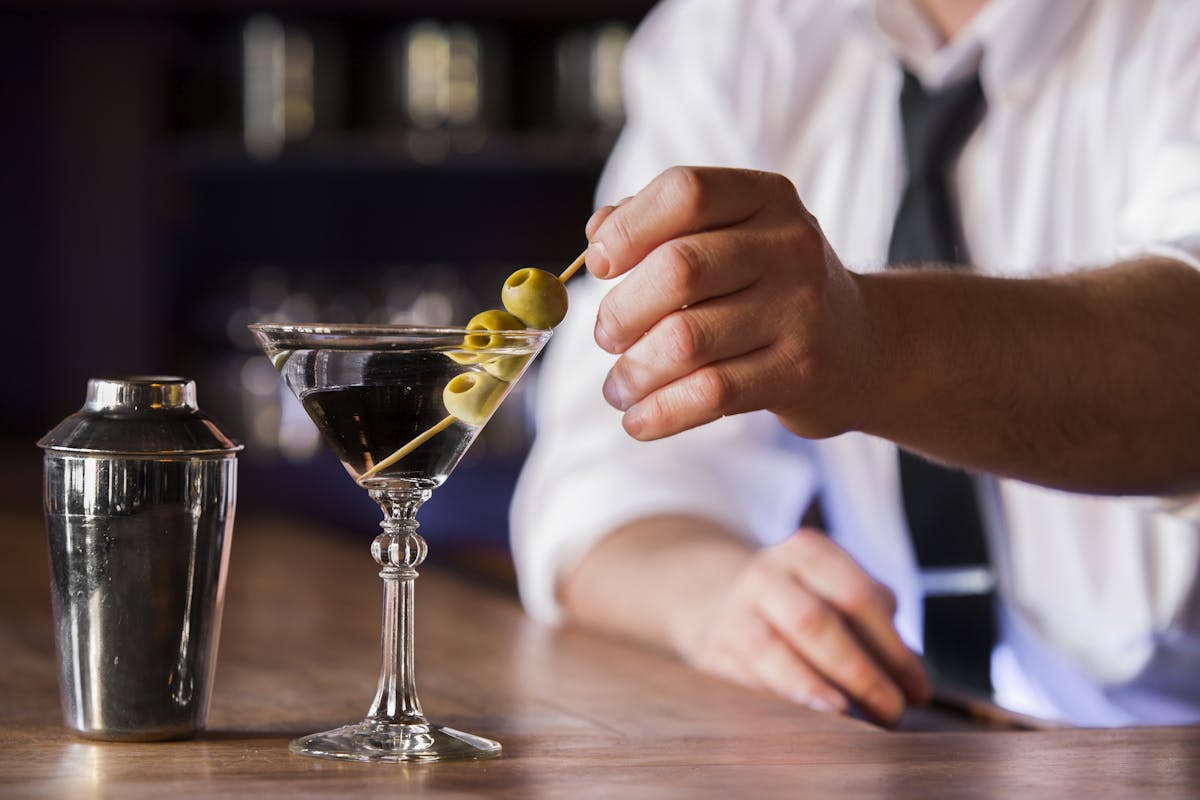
[[653, 579], [707, 567], [914, 345], [884, 374]]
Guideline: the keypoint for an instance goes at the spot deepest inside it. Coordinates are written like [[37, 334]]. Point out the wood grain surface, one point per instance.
[[580, 716]]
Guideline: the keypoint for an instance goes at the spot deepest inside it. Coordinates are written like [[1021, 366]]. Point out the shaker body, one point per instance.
[[139, 495], [139, 549]]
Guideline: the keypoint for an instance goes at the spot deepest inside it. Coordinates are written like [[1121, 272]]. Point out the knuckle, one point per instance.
[[611, 318], [684, 339], [887, 597], [811, 620], [790, 553], [859, 597], [805, 361], [757, 572], [812, 247], [713, 389], [783, 553], [686, 189], [781, 184], [862, 678], [756, 642], [682, 269], [807, 540], [806, 243], [653, 415], [803, 550], [618, 231], [857, 600]]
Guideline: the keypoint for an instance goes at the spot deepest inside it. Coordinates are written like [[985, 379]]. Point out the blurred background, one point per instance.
[[175, 169]]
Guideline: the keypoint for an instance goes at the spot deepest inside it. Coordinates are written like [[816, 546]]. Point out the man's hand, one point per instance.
[[737, 303], [800, 619], [803, 620], [1079, 381]]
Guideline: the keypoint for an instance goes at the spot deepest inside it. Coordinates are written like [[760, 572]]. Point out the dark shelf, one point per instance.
[[418, 152], [550, 11], [141, 219]]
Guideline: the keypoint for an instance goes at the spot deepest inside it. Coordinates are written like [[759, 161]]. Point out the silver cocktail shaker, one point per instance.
[[139, 498]]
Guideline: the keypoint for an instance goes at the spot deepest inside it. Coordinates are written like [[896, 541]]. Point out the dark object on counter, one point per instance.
[[140, 488]]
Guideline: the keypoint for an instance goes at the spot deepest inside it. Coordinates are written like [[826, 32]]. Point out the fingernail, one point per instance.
[[823, 704], [597, 259], [615, 393]]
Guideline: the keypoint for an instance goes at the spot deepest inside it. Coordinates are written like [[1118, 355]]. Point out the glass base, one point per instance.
[[373, 740]]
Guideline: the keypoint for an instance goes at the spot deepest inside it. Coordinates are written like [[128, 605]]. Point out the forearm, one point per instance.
[[653, 579], [1087, 382]]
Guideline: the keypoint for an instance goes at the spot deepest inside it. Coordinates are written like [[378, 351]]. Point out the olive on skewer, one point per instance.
[[532, 298]]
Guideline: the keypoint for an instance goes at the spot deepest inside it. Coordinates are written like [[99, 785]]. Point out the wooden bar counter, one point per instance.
[[579, 715]]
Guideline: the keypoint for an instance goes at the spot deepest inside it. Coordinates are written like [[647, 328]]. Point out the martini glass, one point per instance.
[[372, 390]]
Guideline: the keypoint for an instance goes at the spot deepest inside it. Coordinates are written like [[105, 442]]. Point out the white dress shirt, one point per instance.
[[1089, 152]]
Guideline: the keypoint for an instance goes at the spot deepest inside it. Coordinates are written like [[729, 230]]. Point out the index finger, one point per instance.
[[833, 574], [680, 201], [601, 214]]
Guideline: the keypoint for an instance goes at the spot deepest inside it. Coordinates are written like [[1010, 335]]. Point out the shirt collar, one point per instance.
[[1010, 42]]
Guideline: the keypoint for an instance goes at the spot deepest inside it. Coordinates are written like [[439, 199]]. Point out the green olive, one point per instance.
[[506, 368], [278, 360], [462, 357], [535, 297], [493, 320], [473, 396]]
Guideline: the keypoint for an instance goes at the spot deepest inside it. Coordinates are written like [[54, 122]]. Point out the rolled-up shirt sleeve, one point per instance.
[[687, 97], [1161, 214], [1161, 211]]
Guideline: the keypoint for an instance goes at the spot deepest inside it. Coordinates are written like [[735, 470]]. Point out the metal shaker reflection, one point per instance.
[[139, 497]]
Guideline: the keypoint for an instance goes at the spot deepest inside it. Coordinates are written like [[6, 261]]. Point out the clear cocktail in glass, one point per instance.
[[375, 393]]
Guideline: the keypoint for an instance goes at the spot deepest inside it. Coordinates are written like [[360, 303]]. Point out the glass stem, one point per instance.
[[399, 550]]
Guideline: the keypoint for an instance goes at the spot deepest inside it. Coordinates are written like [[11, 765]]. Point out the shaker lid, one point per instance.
[[152, 415]]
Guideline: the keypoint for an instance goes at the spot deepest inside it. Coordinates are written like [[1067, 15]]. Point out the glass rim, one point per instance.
[[404, 331]]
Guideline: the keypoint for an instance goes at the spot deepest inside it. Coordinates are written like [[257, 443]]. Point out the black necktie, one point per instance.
[[939, 503]]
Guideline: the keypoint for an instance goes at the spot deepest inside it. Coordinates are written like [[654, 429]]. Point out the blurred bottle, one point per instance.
[[588, 77], [293, 83], [443, 84]]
